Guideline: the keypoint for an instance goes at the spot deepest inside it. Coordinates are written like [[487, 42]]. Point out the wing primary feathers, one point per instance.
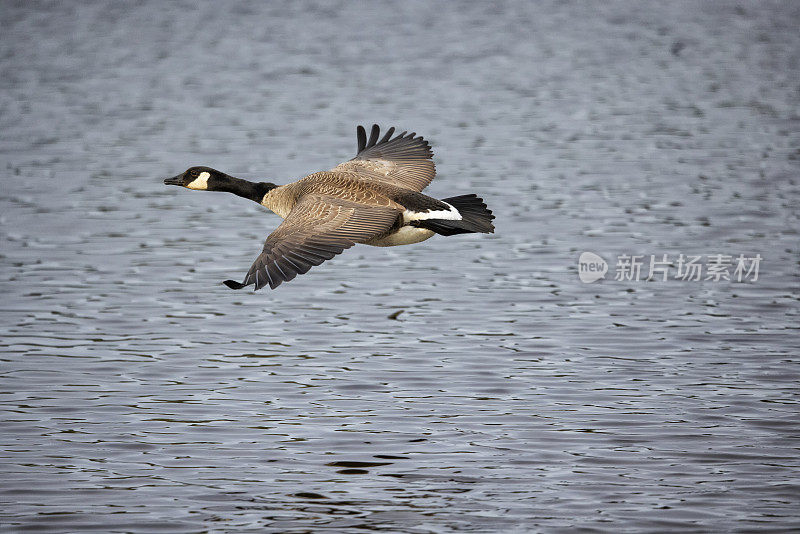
[[281, 271], [404, 160], [298, 263], [274, 273], [313, 256], [361, 134], [388, 135], [373, 135], [287, 269]]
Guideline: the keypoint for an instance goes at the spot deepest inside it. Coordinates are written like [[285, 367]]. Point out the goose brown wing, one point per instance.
[[403, 160], [318, 228]]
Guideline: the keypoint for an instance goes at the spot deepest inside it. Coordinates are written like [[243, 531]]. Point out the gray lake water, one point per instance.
[[470, 383]]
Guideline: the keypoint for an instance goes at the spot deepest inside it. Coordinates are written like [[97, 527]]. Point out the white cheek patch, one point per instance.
[[201, 182], [450, 215]]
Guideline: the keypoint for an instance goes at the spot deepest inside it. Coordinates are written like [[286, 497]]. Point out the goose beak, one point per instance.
[[175, 180]]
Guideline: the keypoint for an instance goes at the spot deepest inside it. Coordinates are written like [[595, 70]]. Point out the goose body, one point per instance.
[[374, 199]]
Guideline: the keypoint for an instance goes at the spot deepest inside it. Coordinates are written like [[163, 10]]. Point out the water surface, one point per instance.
[[470, 383]]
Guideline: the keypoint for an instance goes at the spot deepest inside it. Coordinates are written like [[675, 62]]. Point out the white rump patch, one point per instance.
[[450, 215], [201, 182]]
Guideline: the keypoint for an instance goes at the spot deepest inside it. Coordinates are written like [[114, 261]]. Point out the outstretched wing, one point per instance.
[[318, 228], [404, 160]]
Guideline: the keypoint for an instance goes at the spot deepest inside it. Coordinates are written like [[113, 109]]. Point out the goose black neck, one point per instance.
[[254, 191]]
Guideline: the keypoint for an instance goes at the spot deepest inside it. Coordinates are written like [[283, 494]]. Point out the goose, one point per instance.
[[374, 199]]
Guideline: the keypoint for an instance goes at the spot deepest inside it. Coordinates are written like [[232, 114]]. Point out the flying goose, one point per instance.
[[373, 199]]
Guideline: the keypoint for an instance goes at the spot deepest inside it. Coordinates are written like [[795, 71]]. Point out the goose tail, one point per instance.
[[476, 217]]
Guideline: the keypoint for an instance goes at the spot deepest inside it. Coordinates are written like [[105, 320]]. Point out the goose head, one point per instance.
[[199, 178]]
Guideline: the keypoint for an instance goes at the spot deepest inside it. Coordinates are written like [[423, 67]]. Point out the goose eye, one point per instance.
[[193, 172]]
